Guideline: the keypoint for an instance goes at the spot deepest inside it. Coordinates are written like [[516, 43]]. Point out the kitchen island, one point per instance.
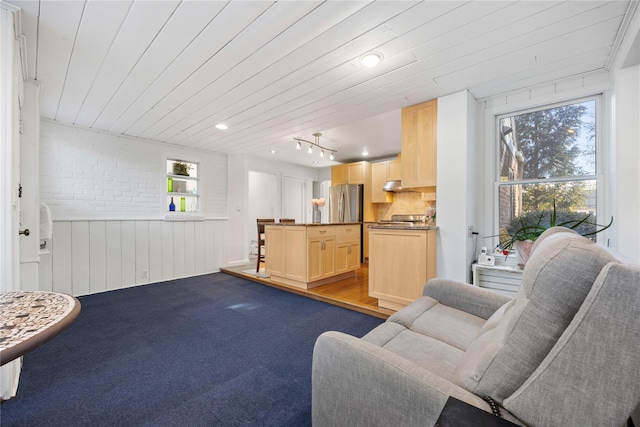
[[309, 255], [402, 257]]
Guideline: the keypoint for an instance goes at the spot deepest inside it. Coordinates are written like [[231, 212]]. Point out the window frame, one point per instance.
[[177, 215], [602, 159]]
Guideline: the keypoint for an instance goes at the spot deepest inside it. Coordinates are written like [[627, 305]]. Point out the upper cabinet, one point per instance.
[[350, 173], [394, 170], [381, 172], [419, 137], [339, 174]]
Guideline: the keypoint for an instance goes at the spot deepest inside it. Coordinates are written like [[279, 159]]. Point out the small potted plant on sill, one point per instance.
[[525, 229], [181, 168]]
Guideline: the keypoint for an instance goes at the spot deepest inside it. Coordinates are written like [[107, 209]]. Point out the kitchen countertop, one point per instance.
[[299, 224], [403, 226]]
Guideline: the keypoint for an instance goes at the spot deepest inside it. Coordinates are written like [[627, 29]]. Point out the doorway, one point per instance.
[[294, 194], [263, 202]]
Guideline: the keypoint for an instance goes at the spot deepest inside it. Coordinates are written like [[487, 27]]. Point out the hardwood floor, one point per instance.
[[352, 293]]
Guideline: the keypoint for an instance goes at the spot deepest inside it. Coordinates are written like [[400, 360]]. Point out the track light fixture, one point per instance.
[[317, 136]]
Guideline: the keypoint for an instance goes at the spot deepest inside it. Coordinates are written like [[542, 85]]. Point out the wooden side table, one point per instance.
[[29, 319]]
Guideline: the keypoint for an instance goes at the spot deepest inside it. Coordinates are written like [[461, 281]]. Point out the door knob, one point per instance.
[[25, 232]]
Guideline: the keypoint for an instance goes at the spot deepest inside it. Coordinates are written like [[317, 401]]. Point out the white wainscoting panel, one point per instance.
[[98, 255], [113, 261], [62, 261], [80, 273]]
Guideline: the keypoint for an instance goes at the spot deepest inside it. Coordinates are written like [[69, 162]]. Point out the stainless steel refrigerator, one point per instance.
[[346, 205]]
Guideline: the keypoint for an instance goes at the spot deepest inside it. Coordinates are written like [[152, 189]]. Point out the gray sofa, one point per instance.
[[563, 352]]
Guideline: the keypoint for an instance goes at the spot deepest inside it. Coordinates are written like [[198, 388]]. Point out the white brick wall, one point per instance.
[[93, 175]]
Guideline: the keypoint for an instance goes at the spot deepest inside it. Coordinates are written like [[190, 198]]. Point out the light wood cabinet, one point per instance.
[[381, 172], [276, 238], [365, 240], [357, 172], [347, 248], [321, 243], [339, 174], [419, 143], [285, 243], [308, 255], [294, 244], [350, 173], [394, 170], [400, 263]]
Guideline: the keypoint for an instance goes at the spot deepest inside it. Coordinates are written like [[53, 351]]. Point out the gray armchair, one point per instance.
[[563, 352]]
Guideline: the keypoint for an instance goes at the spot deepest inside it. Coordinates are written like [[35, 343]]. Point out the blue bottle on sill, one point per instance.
[[172, 207]]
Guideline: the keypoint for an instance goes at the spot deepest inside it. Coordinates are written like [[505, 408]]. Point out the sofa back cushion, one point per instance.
[[591, 375], [558, 276]]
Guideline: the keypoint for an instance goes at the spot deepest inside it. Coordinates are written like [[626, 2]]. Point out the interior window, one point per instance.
[[547, 158]]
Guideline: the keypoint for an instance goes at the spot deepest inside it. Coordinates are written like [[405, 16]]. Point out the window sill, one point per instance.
[[183, 216]]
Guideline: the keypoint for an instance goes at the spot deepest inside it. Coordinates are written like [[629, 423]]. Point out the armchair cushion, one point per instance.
[[429, 317]]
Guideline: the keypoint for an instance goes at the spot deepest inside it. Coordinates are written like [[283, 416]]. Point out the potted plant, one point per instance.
[[525, 229], [181, 168]]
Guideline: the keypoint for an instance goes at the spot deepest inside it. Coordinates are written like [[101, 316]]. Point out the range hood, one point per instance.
[[395, 186]]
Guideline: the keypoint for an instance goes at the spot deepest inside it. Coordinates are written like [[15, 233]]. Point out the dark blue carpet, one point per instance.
[[213, 350]]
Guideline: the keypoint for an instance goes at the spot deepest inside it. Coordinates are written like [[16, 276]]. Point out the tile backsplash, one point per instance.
[[404, 203]]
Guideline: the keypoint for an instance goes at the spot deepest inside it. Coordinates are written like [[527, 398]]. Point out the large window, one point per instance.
[[548, 157]]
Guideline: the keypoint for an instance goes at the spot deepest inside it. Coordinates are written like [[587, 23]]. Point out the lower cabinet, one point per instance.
[[321, 256], [400, 263], [347, 248], [347, 256], [285, 244]]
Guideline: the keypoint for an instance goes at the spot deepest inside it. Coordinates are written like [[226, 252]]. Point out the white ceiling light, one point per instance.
[[316, 143], [222, 126], [365, 153], [371, 59]]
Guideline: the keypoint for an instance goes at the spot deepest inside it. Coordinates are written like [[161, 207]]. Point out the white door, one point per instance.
[[9, 177], [294, 192], [263, 201]]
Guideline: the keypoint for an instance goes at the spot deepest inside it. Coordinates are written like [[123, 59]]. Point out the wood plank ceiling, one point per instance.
[[171, 70]]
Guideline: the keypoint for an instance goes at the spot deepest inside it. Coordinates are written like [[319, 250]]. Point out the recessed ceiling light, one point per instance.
[[222, 126], [371, 59], [365, 153], [273, 151]]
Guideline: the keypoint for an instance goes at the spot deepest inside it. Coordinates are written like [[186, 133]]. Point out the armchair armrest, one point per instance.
[[472, 299], [356, 383]]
